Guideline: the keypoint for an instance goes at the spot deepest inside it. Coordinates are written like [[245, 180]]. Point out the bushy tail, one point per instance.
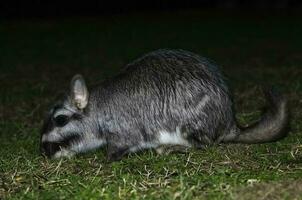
[[273, 125]]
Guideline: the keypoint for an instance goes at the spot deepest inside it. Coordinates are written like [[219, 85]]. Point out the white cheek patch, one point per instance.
[[52, 136], [60, 133], [88, 143], [172, 138]]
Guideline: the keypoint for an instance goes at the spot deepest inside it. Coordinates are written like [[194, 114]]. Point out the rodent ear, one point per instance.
[[78, 91]]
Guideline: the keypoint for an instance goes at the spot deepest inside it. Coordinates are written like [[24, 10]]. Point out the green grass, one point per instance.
[[38, 57]]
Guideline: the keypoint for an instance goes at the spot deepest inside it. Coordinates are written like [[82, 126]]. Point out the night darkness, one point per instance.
[[256, 45], [38, 8]]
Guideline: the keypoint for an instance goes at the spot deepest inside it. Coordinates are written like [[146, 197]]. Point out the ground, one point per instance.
[[39, 57]]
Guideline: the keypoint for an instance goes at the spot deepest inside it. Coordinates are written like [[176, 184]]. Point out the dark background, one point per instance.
[[40, 8]]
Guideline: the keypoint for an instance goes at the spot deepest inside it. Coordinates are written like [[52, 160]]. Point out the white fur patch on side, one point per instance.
[[172, 138]]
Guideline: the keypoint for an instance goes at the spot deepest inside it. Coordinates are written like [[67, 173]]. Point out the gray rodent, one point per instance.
[[165, 98]]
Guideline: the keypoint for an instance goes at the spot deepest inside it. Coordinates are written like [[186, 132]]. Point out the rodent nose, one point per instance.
[[49, 148]]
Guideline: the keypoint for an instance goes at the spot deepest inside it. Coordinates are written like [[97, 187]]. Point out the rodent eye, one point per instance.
[[61, 120]]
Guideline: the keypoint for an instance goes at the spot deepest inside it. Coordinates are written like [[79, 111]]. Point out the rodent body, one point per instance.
[[165, 98]]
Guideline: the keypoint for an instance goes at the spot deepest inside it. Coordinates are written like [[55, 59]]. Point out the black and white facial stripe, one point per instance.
[[50, 148], [65, 131]]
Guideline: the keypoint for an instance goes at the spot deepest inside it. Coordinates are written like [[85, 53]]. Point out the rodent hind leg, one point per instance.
[[195, 137]]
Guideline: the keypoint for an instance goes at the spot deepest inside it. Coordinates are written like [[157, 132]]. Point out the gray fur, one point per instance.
[[167, 97]]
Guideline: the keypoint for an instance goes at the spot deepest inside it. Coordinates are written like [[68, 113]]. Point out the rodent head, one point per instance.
[[68, 128]]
